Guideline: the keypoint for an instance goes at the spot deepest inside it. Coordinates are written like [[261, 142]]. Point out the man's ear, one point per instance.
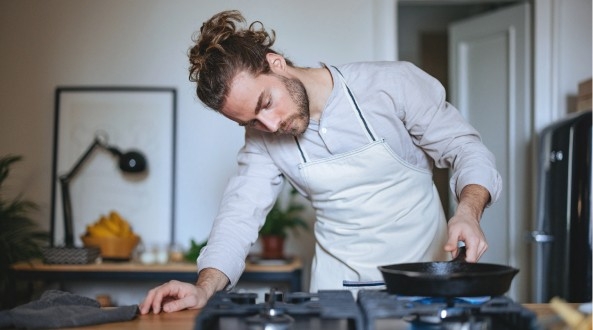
[[277, 62]]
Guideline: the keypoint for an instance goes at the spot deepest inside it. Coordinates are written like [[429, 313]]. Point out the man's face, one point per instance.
[[269, 103]]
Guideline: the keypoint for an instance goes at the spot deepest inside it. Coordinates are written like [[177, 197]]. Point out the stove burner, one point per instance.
[[264, 322], [271, 317], [451, 310], [472, 323], [448, 301], [383, 311]]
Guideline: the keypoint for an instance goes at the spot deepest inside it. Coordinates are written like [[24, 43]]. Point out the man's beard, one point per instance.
[[299, 96]]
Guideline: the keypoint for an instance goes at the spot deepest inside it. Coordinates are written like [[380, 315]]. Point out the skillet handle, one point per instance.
[[460, 254]]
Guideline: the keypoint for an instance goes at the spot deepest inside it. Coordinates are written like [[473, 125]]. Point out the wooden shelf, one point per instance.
[[290, 272]]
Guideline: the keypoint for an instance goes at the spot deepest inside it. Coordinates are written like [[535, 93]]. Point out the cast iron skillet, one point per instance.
[[455, 278]]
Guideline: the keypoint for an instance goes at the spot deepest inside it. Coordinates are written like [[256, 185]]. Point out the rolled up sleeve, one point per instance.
[[246, 201], [440, 130]]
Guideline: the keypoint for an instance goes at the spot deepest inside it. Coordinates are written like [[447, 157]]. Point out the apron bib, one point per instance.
[[372, 209]]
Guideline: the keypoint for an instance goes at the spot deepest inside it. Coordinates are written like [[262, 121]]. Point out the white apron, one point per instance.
[[372, 209]]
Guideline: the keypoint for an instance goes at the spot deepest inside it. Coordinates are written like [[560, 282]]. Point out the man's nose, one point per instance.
[[270, 121]]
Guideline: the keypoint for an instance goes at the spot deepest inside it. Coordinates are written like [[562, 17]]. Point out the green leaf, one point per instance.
[[194, 250], [20, 237]]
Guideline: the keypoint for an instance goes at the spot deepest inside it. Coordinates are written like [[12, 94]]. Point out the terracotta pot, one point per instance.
[[272, 247]]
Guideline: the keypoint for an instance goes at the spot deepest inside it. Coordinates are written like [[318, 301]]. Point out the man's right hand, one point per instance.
[[174, 296]]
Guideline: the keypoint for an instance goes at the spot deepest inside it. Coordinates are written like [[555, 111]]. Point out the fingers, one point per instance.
[[175, 305], [153, 297], [173, 296], [156, 297], [471, 234], [188, 302], [474, 247], [475, 250]]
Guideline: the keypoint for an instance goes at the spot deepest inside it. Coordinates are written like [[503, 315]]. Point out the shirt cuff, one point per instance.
[[489, 179], [231, 266]]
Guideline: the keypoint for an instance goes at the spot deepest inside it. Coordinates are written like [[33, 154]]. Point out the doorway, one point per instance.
[[423, 40]]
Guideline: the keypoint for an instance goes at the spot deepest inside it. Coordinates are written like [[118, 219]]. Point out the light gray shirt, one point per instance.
[[403, 105]]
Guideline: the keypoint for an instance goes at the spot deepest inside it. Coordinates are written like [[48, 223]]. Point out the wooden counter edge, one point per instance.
[[186, 319]]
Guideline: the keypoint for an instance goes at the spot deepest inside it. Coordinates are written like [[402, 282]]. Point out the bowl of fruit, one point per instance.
[[113, 235]]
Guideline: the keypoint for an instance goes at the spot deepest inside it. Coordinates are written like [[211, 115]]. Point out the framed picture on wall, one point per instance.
[[127, 119]]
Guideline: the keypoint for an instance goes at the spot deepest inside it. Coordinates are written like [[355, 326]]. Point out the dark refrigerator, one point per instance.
[[562, 233]]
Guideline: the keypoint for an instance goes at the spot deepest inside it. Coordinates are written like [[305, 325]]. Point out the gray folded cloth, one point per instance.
[[58, 309]]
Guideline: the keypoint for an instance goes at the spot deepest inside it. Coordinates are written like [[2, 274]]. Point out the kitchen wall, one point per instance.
[[46, 44], [562, 53]]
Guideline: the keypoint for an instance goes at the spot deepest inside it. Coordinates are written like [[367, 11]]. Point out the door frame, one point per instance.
[[518, 111]]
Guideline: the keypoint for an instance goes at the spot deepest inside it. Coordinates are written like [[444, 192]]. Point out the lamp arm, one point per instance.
[[65, 187], [68, 176], [132, 162]]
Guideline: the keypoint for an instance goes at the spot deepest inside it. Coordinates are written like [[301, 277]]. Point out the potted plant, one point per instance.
[[20, 238], [279, 222]]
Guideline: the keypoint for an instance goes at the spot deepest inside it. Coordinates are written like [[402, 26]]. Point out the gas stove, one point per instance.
[[298, 310], [373, 310]]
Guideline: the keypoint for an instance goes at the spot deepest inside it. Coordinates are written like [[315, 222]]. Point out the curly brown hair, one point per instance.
[[222, 49]]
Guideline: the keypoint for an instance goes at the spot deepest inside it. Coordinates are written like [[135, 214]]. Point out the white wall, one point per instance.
[[50, 43], [562, 56]]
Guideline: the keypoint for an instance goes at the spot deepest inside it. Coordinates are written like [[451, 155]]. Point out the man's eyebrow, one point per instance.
[[260, 100]]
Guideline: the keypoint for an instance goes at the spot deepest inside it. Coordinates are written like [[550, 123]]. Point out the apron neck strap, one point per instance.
[[363, 123], [301, 151], [354, 104]]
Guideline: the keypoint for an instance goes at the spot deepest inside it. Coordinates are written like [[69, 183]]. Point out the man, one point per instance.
[[359, 141]]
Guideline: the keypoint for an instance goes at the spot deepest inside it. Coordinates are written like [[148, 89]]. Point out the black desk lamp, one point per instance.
[[129, 162]]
